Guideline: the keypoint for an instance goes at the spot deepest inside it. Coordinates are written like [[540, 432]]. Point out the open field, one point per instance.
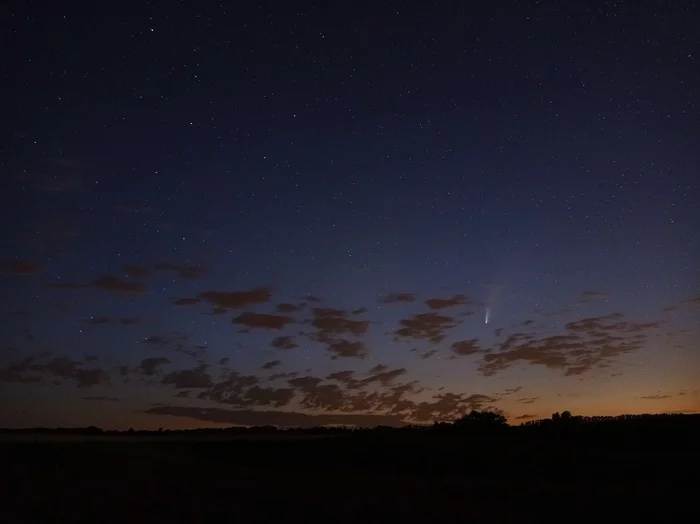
[[436, 478]]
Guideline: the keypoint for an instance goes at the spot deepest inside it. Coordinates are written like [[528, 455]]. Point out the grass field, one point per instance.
[[445, 478]]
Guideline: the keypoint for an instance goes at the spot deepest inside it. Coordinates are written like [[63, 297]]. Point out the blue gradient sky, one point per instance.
[[539, 161]]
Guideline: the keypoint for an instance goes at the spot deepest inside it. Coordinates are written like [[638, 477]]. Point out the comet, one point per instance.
[[487, 315]]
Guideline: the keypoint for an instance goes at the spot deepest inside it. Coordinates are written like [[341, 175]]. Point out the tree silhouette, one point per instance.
[[481, 420]]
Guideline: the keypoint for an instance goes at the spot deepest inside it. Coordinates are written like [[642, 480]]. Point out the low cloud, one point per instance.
[[432, 327], [271, 364], [196, 378], [237, 299], [442, 303], [586, 344], [466, 347], [263, 320], [102, 398], [186, 301], [19, 267], [284, 342], [150, 366], [249, 417], [394, 298]]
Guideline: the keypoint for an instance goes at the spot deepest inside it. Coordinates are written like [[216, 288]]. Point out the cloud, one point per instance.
[[691, 302], [284, 342], [237, 299], [19, 267], [525, 417], [393, 298], [186, 301], [271, 364], [35, 367], [589, 296], [249, 417], [442, 303], [333, 327], [288, 308], [425, 326], [149, 366], [466, 347], [528, 400], [110, 283], [263, 320], [428, 354], [586, 344], [102, 398], [133, 271], [196, 378], [657, 397], [344, 349]]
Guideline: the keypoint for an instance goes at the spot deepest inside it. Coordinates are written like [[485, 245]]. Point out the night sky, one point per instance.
[[305, 213]]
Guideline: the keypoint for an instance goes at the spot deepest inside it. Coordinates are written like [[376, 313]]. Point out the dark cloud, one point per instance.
[[129, 321], [250, 417], [186, 301], [110, 283], [177, 342], [442, 303], [149, 366], [425, 326], [196, 378], [587, 344], [237, 299], [288, 308], [133, 271], [102, 398], [346, 349], [466, 347], [35, 368], [528, 400], [271, 364], [284, 342], [278, 376], [333, 328], [588, 296], [691, 302], [231, 389], [525, 417], [428, 354], [263, 320], [393, 298], [448, 406], [19, 267]]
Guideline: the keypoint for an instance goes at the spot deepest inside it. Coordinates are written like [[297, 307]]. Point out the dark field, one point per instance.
[[429, 478]]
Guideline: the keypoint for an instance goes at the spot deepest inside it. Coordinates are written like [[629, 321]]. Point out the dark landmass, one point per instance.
[[566, 469]]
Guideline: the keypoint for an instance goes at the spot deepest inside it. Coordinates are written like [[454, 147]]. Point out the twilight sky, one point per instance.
[[303, 213]]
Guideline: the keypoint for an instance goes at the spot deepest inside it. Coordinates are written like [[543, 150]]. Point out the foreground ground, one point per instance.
[[418, 478]]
